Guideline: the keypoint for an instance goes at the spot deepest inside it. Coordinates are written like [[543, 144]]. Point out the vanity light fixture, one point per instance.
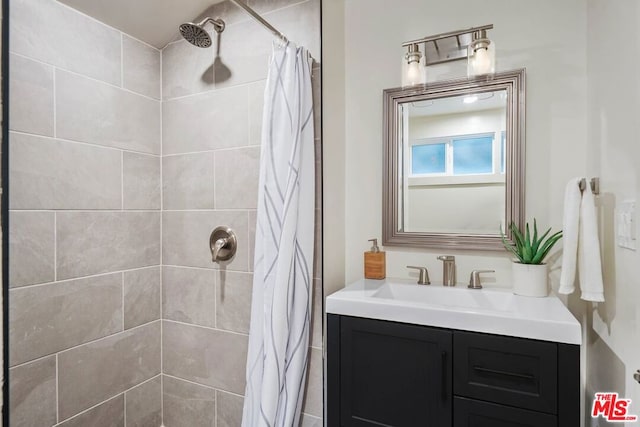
[[481, 55], [413, 67], [471, 44]]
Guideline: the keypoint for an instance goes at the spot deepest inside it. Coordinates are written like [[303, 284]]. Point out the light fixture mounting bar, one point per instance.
[[449, 46]]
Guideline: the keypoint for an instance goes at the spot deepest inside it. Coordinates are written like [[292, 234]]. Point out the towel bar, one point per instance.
[[595, 185]]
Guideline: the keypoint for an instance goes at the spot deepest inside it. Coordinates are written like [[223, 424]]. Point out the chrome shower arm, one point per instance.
[[218, 24]]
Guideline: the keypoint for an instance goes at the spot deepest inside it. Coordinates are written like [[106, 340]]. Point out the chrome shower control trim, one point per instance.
[[223, 244]]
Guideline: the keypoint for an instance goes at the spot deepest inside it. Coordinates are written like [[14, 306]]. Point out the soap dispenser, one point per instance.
[[375, 262]]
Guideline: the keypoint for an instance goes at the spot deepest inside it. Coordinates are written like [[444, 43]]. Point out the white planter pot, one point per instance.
[[530, 280]]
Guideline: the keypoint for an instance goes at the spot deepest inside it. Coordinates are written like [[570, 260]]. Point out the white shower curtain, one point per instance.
[[282, 284]]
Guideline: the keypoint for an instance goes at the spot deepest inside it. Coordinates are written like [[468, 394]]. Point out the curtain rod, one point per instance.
[[260, 19]]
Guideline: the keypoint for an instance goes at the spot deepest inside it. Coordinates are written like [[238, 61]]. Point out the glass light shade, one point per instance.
[[482, 59], [413, 73]]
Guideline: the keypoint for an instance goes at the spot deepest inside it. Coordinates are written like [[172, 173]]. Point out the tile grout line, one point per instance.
[[55, 282], [195, 383], [122, 68], [237, 210], [249, 266], [177, 322], [122, 290], [55, 247], [97, 210], [90, 144], [55, 95], [213, 168], [124, 409], [108, 399], [206, 269], [122, 180], [57, 390], [58, 352], [85, 76], [249, 121], [214, 150], [91, 18], [236, 86], [161, 160]]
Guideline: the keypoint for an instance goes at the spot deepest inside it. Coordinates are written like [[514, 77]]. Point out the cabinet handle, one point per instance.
[[503, 373], [444, 376]]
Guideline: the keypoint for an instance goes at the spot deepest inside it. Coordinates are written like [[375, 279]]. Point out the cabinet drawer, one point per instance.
[[473, 413], [511, 371]]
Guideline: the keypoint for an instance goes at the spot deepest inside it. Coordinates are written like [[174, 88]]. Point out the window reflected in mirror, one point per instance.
[[454, 154]]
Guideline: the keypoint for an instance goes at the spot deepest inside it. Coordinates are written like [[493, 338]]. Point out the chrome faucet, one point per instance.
[[423, 277], [448, 270]]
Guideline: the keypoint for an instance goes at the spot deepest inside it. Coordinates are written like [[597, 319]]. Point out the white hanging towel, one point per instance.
[[589, 262], [570, 234], [282, 284], [581, 244]]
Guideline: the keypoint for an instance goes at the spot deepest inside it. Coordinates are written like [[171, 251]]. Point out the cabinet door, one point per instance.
[[474, 413], [394, 374]]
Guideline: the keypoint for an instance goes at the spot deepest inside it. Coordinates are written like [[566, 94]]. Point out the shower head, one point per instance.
[[197, 35]]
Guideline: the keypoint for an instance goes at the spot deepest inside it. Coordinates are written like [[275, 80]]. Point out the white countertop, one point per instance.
[[489, 310]]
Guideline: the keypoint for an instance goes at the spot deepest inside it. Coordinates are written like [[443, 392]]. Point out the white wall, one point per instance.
[[475, 208], [556, 112], [333, 145], [581, 121], [482, 121], [613, 153]]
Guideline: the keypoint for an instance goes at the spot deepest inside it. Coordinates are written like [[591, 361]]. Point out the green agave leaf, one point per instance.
[[530, 248], [508, 246], [513, 251], [546, 247], [537, 245], [527, 253], [518, 237]]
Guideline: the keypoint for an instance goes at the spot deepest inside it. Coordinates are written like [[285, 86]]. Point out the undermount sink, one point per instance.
[[447, 296], [488, 310]]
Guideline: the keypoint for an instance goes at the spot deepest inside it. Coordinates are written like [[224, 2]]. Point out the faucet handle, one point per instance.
[[474, 279], [423, 278]]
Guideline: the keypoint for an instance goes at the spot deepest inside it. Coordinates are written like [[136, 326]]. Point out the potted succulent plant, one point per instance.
[[529, 269]]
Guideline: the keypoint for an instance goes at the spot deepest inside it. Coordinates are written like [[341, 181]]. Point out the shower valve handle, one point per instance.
[[223, 244]]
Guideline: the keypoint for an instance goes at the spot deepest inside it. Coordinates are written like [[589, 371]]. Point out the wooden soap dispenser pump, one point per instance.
[[375, 262]]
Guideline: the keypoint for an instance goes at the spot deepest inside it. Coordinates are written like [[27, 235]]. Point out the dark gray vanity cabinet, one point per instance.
[[384, 373], [384, 367]]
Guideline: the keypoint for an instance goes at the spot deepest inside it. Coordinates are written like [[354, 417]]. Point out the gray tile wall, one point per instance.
[[85, 276], [212, 116], [118, 316]]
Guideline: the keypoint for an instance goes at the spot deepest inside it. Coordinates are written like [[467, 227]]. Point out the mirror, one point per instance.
[[454, 162]]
